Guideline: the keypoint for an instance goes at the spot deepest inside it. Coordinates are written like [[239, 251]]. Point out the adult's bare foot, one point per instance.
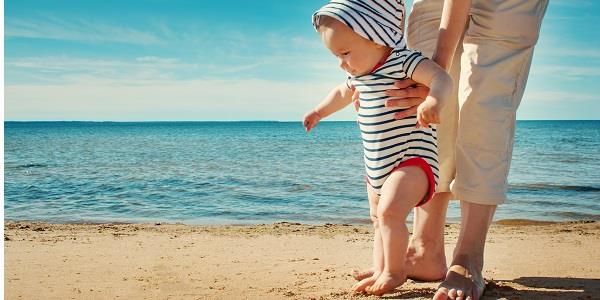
[[426, 261], [460, 284]]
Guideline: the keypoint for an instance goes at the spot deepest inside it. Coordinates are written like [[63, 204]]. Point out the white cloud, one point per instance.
[[549, 50], [208, 99], [559, 96], [307, 43], [572, 3], [154, 59], [69, 70], [66, 69], [578, 53], [65, 63], [567, 72], [139, 99], [50, 27]]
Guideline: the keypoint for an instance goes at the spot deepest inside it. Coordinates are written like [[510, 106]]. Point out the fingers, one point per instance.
[[355, 97], [430, 119], [406, 113], [407, 92], [308, 124], [311, 124], [421, 122], [419, 91], [403, 102], [402, 84], [424, 120], [310, 120], [425, 117], [309, 127]]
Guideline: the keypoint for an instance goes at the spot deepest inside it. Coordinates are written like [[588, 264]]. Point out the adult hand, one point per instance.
[[407, 94]]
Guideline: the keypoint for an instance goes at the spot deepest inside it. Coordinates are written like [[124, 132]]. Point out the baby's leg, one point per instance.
[[402, 190], [377, 244]]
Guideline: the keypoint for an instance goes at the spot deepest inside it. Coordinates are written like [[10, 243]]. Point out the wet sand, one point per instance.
[[524, 260]]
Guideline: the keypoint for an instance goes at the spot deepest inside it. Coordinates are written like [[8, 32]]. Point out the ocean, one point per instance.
[[258, 172]]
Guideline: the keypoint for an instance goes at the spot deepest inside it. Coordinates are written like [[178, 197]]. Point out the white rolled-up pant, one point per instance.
[[490, 70]]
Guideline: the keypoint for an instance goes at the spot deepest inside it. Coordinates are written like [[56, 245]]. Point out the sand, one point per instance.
[[524, 260]]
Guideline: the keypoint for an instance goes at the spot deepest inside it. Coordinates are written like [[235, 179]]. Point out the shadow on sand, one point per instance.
[[524, 288], [543, 288]]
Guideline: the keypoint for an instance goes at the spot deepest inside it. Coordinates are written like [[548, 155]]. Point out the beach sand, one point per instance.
[[524, 260]]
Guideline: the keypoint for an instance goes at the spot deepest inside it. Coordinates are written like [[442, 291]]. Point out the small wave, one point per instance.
[[299, 188], [544, 186], [577, 215], [359, 221], [27, 166], [514, 222]]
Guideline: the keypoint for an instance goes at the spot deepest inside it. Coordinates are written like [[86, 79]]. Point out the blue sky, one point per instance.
[[232, 60]]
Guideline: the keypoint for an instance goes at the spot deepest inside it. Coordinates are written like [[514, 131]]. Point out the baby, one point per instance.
[[400, 155]]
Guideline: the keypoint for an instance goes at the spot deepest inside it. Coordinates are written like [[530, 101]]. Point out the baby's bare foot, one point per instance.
[[424, 262], [386, 282], [361, 286], [359, 275]]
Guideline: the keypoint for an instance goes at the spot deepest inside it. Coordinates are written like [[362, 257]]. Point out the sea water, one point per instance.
[[258, 172]]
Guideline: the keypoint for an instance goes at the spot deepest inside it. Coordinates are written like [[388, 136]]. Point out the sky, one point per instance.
[[184, 60]]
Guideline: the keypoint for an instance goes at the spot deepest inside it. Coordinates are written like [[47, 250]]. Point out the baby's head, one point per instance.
[[360, 32], [356, 54]]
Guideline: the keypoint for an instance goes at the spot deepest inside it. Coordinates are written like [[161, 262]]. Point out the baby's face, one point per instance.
[[356, 55]]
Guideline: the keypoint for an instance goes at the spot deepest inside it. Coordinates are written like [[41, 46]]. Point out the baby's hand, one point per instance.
[[428, 112], [310, 120]]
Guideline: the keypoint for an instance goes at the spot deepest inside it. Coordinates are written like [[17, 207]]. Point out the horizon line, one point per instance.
[[223, 121]]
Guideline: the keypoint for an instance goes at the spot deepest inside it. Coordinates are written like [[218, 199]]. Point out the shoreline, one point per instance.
[[285, 260], [506, 222]]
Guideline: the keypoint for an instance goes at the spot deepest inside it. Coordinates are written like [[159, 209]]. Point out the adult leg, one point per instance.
[[495, 63], [426, 259], [464, 277]]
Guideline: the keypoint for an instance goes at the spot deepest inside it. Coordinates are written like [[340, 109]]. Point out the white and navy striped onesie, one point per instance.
[[387, 142]]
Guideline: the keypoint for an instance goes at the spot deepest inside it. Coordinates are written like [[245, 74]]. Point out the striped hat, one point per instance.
[[377, 20]]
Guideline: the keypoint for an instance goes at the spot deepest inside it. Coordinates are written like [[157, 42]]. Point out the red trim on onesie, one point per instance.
[[382, 61], [421, 163]]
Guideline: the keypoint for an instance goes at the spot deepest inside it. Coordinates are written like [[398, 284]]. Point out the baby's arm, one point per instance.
[[337, 99], [440, 90]]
